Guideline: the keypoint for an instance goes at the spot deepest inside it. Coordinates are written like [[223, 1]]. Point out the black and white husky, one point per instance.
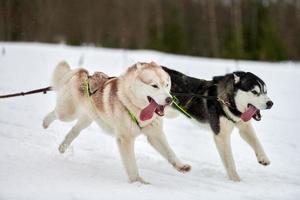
[[232, 100]]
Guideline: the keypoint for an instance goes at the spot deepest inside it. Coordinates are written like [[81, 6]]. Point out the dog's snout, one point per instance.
[[269, 104], [169, 100]]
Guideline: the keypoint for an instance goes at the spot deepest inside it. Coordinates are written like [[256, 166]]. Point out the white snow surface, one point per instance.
[[32, 168]]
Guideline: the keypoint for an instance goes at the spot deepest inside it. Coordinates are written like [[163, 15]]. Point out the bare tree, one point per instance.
[[212, 19], [237, 27]]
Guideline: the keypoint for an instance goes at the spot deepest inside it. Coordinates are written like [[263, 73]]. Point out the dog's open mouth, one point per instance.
[[251, 112], [153, 107]]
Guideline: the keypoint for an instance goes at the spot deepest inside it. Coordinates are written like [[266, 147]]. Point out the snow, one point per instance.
[[31, 167]]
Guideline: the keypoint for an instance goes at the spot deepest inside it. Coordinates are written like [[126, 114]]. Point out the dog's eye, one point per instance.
[[254, 92], [154, 86]]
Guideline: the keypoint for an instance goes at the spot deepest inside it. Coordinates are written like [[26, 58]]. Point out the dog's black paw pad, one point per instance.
[[265, 163], [184, 168]]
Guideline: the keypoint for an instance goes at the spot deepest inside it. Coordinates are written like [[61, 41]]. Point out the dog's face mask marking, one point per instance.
[[153, 85], [251, 95]]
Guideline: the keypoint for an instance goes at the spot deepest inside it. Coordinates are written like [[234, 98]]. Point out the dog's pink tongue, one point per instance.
[[248, 114], [148, 112]]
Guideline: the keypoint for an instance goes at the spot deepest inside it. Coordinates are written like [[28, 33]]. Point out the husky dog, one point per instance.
[[113, 103], [241, 96]]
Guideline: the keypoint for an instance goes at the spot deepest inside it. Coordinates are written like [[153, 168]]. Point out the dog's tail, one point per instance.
[[59, 77]]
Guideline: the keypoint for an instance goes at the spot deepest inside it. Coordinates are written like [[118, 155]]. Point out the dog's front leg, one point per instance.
[[248, 134], [223, 143], [126, 148], [158, 141]]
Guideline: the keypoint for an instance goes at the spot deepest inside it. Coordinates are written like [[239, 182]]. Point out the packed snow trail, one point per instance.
[[32, 168]]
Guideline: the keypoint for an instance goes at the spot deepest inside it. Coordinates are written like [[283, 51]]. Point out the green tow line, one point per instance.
[[132, 116], [181, 109]]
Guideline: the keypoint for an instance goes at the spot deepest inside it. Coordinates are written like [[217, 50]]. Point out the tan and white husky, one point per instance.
[[125, 106]]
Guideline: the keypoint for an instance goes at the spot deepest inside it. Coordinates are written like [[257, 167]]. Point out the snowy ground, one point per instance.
[[31, 167]]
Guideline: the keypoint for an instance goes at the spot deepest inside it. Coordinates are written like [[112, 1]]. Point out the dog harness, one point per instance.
[[183, 109], [89, 94], [133, 118]]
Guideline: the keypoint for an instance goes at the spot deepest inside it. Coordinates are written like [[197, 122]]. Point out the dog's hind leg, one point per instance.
[[49, 118], [158, 141], [223, 143], [126, 148], [81, 124], [248, 134]]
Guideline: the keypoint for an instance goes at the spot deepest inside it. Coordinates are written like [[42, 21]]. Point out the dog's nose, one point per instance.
[[269, 104], [169, 100]]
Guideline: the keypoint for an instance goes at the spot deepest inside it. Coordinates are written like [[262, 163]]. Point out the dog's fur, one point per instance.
[[238, 89], [108, 104]]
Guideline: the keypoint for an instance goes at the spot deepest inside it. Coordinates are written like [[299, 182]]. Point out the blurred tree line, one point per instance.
[[240, 29]]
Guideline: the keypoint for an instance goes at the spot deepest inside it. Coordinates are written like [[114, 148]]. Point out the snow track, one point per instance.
[[31, 167]]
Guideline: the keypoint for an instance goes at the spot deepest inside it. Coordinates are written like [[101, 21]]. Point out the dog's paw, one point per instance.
[[235, 177], [62, 148], [183, 168], [263, 160], [45, 124], [139, 180]]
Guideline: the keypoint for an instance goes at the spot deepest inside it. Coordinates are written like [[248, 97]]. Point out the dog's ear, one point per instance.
[[139, 66], [154, 63], [236, 78]]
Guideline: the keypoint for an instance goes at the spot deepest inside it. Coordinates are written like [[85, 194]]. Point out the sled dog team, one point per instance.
[[135, 102]]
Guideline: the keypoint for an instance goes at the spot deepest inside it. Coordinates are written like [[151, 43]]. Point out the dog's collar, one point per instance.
[[229, 109], [229, 115]]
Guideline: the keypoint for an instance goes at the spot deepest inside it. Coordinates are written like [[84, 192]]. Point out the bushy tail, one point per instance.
[[58, 77]]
